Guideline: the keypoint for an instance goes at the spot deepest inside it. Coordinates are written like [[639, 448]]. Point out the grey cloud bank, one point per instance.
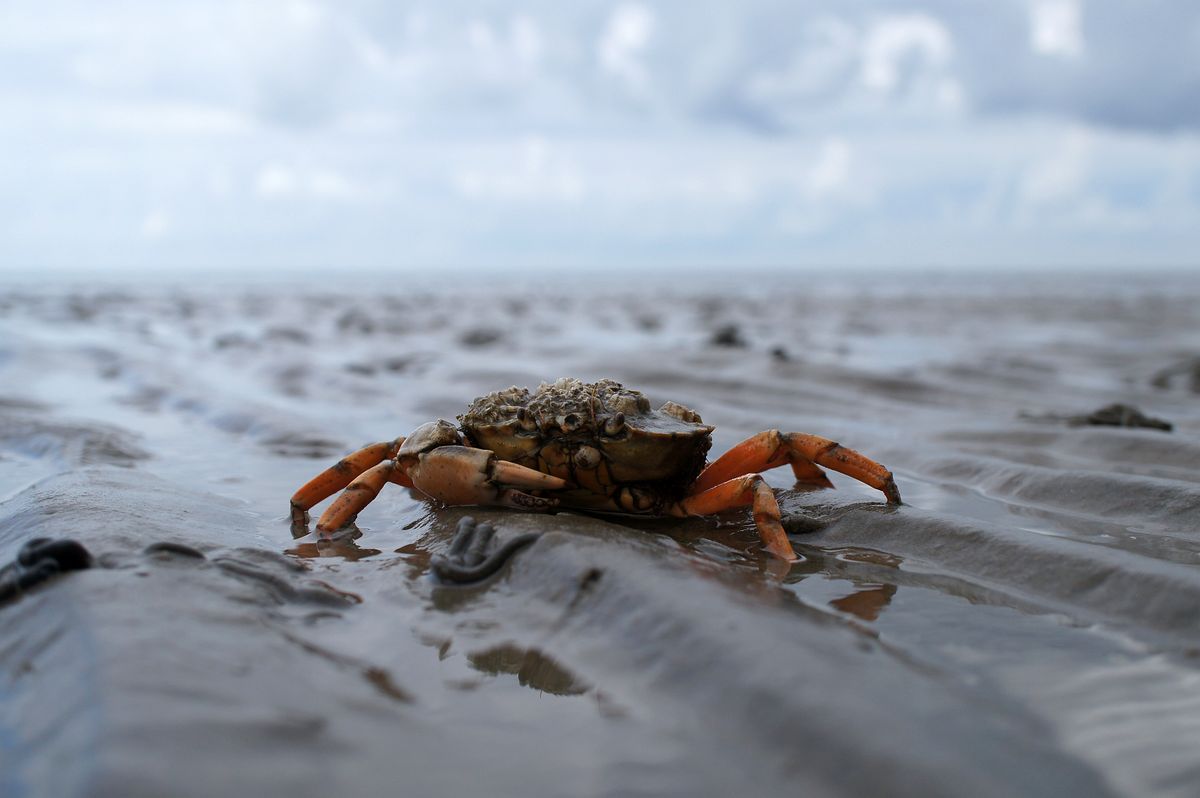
[[308, 135]]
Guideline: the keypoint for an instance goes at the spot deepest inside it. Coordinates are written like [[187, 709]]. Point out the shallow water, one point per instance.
[[1027, 623]]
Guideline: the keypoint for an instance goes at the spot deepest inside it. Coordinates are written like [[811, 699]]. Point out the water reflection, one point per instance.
[[865, 571], [532, 668], [417, 555], [866, 603], [341, 545]]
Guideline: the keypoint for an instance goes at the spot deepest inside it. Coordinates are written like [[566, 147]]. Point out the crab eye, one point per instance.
[[614, 425]]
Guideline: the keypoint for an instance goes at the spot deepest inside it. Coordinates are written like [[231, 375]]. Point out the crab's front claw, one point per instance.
[[461, 475]]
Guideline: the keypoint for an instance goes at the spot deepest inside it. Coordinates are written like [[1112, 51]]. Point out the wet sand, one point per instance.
[[1028, 623]]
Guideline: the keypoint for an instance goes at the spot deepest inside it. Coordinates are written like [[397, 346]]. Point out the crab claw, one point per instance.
[[460, 475]]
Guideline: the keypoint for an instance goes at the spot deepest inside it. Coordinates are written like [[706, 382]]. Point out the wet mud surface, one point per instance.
[[1028, 623]]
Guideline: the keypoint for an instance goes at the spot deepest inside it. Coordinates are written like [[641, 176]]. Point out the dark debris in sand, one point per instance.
[[1114, 415]]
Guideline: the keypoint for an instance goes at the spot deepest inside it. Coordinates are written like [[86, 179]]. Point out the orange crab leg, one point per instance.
[[359, 493], [339, 475], [739, 491], [805, 452]]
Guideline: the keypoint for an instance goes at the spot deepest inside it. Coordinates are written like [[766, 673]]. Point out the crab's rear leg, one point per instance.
[[338, 476], [773, 448], [739, 491]]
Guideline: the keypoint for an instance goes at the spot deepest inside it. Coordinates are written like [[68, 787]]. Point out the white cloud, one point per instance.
[[166, 118], [331, 184], [527, 41], [219, 182], [949, 94], [1056, 28], [728, 184], [891, 41], [1060, 175], [155, 224], [480, 35], [831, 173], [506, 56], [537, 173], [900, 64], [276, 181], [625, 37], [831, 184], [828, 52], [436, 121]]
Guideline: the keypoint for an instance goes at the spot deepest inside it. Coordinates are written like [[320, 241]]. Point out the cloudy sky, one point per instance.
[[509, 135]]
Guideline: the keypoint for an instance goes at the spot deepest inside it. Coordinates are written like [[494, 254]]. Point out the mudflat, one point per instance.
[[1027, 623]]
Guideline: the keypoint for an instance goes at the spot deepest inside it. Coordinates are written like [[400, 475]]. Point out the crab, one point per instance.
[[589, 446]]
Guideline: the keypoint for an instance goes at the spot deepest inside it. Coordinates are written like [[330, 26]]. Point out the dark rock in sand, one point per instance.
[[234, 340], [289, 335], [728, 335], [1114, 415], [38, 561], [362, 369], [480, 336], [354, 320], [1119, 415]]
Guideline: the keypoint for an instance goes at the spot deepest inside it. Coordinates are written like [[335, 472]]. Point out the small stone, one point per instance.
[[728, 335]]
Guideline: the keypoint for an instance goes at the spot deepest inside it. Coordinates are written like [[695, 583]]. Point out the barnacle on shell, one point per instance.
[[680, 412], [496, 407], [569, 405]]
